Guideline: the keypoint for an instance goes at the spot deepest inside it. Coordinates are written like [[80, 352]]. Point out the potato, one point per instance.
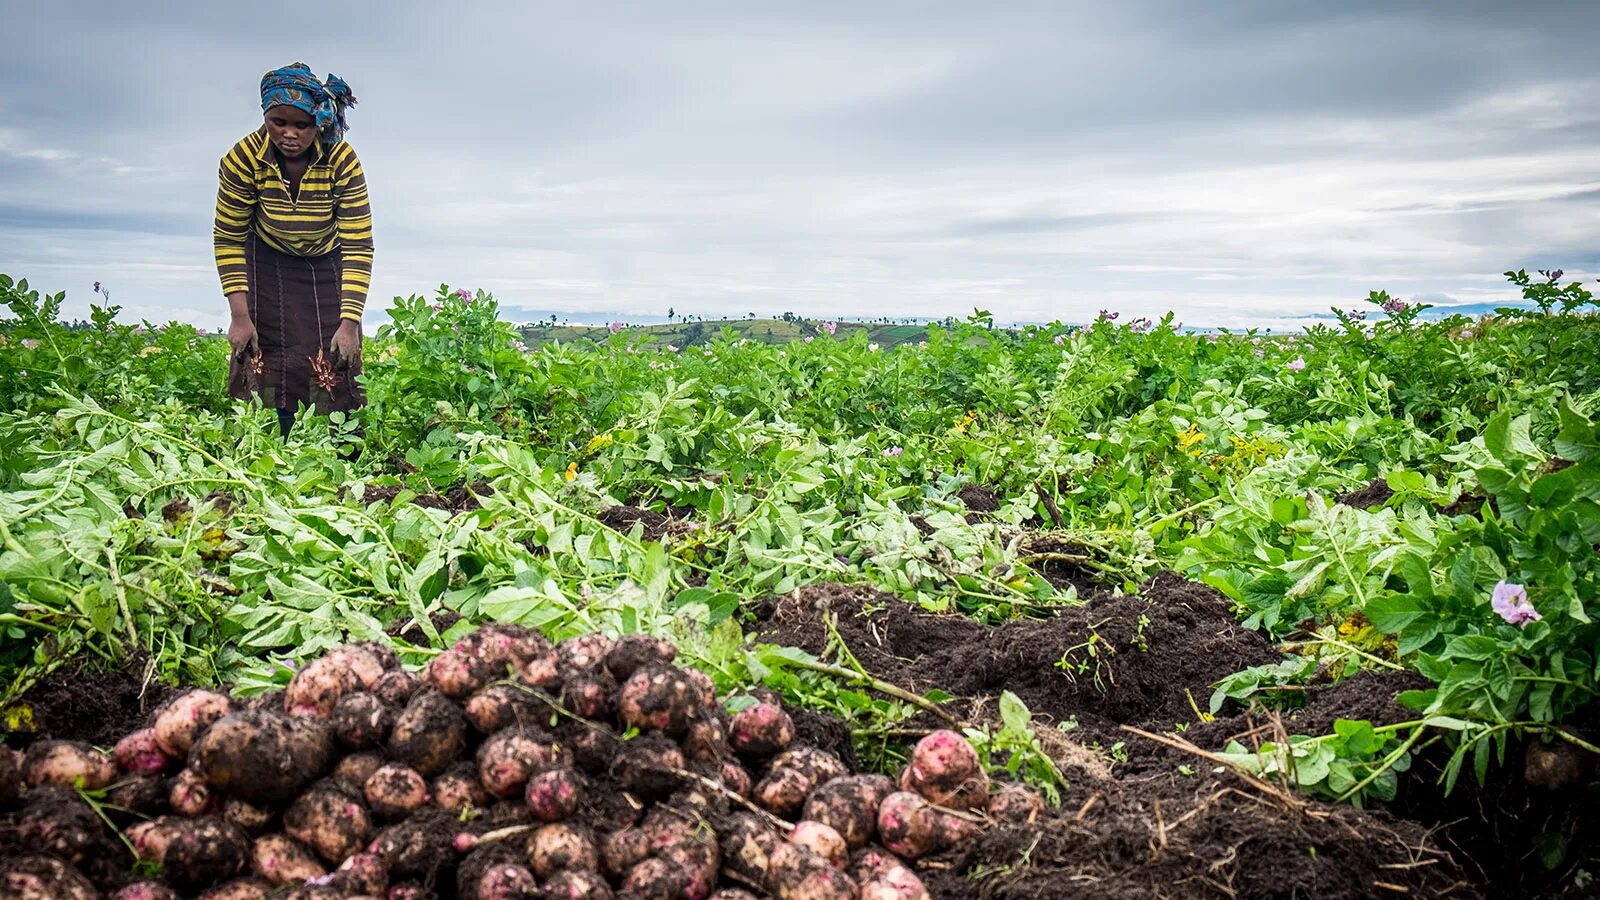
[[632, 652], [707, 738], [507, 760], [574, 884], [430, 734], [413, 848], [145, 890], [369, 660], [318, 687], [1555, 766], [822, 840], [554, 794], [850, 806], [582, 652], [501, 706], [195, 853], [141, 795], [946, 770], [908, 826], [761, 730], [554, 848], [59, 823], [311, 745], [67, 764], [250, 818], [10, 776], [140, 754], [313, 892], [696, 858], [747, 847], [363, 873], [1016, 804], [589, 695], [396, 686], [394, 791], [659, 697], [818, 766], [191, 796], [507, 881], [355, 770], [872, 861], [180, 722], [257, 756], [43, 878], [622, 850], [542, 671], [796, 873], [653, 879], [283, 860], [361, 721], [783, 792], [645, 765], [735, 778], [240, 889], [493, 652], [329, 821], [894, 883], [459, 789]]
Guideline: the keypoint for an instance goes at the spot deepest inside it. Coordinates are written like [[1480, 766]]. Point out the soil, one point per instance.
[[1132, 823], [1374, 495], [459, 499], [980, 501], [656, 526], [78, 703], [1061, 572]]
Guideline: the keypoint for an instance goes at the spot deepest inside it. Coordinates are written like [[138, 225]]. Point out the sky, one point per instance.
[[1237, 162]]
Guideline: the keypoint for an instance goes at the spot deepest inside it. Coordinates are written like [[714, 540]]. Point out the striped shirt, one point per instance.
[[330, 213]]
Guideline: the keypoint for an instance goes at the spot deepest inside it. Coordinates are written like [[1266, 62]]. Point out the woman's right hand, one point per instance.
[[241, 331]]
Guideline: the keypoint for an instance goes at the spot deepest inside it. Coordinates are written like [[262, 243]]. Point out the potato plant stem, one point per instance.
[[882, 687]]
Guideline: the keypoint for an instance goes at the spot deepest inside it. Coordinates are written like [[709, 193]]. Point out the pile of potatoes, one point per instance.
[[509, 768]]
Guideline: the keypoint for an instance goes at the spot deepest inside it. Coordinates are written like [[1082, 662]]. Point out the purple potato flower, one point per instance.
[[1511, 602], [1298, 365]]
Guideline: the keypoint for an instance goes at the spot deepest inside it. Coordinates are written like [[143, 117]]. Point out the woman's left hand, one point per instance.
[[346, 343]]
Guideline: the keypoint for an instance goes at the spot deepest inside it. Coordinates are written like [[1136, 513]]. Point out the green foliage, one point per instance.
[[844, 458]]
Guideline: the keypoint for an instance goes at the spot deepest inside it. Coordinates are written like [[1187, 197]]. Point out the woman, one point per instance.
[[294, 249]]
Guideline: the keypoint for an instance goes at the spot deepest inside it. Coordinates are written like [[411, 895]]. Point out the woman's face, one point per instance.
[[291, 129]]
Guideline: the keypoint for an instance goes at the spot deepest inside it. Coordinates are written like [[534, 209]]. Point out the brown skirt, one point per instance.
[[294, 303]]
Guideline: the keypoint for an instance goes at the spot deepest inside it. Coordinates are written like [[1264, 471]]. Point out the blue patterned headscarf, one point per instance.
[[294, 85]]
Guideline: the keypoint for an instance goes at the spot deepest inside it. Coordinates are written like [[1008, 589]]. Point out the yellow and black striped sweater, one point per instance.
[[330, 213]]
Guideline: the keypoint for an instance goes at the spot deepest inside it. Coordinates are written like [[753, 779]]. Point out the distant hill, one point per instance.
[[695, 333]]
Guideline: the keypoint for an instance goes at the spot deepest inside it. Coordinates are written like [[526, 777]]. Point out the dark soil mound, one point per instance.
[[78, 703], [1211, 837], [980, 501], [1374, 495], [1130, 659], [654, 526], [1140, 826]]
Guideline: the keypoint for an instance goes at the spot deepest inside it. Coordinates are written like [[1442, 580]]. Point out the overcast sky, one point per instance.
[[1236, 162]]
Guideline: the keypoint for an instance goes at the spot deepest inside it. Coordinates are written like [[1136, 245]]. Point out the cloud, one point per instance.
[[1241, 162]]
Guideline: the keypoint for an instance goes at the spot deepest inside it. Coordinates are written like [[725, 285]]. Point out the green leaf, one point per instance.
[[1359, 737], [1014, 713], [1474, 647], [1464, 575], [1392, 614]]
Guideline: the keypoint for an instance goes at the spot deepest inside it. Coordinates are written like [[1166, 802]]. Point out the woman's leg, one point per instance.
[[285, 420]]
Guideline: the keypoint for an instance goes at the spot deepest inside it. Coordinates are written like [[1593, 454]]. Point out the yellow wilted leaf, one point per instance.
[[572, 471], [19, 717], [597, 443]]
